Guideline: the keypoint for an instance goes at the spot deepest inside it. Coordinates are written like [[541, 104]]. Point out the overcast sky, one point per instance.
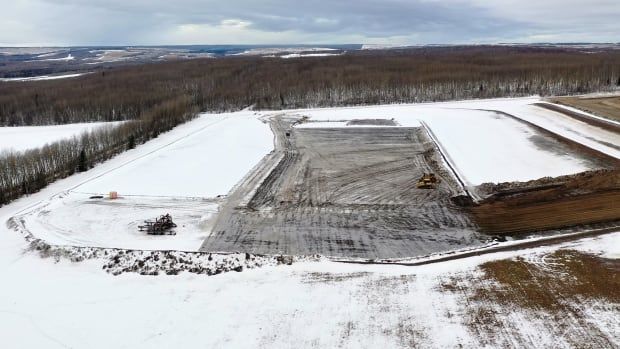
[[154, 22]]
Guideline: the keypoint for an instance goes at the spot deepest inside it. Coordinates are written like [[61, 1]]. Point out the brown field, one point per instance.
[[608, 107], [585, 198], [560, 289]]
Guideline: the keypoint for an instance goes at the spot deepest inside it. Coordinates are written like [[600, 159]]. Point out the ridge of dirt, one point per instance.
[[550, 203]]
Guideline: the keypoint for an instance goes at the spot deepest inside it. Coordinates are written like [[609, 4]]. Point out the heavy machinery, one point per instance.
[[159, 226], [427, 181]]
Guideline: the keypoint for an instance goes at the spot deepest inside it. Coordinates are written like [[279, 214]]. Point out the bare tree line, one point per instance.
[[153, 98], [28, 172]]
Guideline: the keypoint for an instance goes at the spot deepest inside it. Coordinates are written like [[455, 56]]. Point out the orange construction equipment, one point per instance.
[[427, 181]]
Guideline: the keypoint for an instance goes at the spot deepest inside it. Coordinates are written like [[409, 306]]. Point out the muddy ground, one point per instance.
[[345, 192]]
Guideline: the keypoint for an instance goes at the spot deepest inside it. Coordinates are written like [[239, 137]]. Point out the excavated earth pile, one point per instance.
[[550, 203]]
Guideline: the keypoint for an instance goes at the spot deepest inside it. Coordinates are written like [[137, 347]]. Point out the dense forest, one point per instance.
[[426, 74], [156, 97]]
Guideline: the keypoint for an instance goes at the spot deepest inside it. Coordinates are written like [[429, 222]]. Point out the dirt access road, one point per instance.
[[607, 107], [346, 192]]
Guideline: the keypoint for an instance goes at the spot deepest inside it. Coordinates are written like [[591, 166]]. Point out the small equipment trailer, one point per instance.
[[160, 226]]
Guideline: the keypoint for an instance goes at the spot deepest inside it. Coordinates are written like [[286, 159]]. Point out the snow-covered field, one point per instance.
[[204, 158], [306, 305], [299, 55], [44, 77], [30, 137], [74, 219], [182, 173], [483, 145]]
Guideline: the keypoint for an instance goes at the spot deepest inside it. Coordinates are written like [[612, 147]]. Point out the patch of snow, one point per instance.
[[605, 141], [43, 77], [382, 46], [204, 158], [280, 50], [298, 55], [68, 58], [30, 137], [606, 246]]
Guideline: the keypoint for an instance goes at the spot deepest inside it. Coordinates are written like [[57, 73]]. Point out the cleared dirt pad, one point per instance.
[[347, 192]]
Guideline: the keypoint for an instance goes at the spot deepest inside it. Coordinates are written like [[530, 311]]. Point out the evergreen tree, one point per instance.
[[82, 165], [131, 143]]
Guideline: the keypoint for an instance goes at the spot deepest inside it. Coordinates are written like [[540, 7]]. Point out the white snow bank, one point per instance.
[[43, 77], [30, 137], [607, 246], [279, 50], [298, 55], [205, 158], [69, 57], [605, 141]]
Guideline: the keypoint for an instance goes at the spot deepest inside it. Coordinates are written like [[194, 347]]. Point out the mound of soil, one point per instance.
[[550, 203]]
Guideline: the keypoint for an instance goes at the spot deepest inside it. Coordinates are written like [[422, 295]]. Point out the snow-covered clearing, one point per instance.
[[44, 77], [68, 58], [484, 145], [282, 50], [203, 158], [181, 173], [74, 219], [298, 55], [30, 137]]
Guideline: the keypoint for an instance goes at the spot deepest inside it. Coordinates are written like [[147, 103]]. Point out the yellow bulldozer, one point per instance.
[[427, 181]]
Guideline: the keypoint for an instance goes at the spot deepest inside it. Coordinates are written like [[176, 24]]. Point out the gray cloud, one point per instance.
[[315, 21]]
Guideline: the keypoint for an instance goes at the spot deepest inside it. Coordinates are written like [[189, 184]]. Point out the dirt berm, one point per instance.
[[550, 203]]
